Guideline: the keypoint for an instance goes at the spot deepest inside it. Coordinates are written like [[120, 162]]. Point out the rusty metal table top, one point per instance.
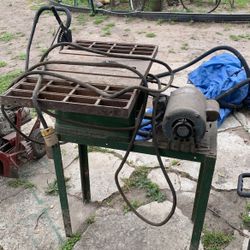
[[71, 97]]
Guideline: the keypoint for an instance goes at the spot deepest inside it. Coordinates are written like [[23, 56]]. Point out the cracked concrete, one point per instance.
[[114, 230]]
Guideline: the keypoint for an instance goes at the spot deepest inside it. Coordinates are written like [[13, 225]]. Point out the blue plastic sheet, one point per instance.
[[145, 127], [217, 75]]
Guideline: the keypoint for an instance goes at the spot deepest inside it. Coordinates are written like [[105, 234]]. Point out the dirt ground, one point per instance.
[[178, 44]]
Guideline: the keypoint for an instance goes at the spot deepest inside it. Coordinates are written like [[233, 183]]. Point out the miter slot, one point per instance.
[[126, 96], [85, 92], [141, 52], [26, 86], [51, 96], [113, 103], [58, 89], [20, 93], [82, 100]]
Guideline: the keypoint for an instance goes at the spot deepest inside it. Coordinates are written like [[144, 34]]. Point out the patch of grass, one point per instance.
[[106, 30], [184, 46], [241, 3], [90, 220], [16, 183], [239, 37], [218, 33], [22, 56], [6, 37], [3, 64], [81, 18], [36, 4], [7, 78], [128, 19], [246, 215], [139, 179], [171, 51], [127, 29], [98, 149], [100, 19], [215, 240], [150, 35], [134, 203], [69, 244], [109, 25], [175, 162], [52, 188], [160, 21], [42, 51]]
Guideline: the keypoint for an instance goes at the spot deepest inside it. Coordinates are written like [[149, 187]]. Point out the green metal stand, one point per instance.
[[84, 170], [206, 155], [62, 189]]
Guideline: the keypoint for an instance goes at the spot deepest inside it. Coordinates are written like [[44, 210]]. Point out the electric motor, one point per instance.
[[187, 113]]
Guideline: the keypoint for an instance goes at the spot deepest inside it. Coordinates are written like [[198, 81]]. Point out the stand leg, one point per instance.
[[201, 200], [198, 191], [62, 189], [84, 169]]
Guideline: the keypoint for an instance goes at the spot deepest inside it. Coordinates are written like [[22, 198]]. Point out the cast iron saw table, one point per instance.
[[82, 105]]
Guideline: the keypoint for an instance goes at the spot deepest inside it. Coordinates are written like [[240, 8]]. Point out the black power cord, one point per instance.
[[155, 144]]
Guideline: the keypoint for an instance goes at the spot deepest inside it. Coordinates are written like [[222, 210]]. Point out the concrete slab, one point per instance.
[[157, 177], [102, 170], [233, 159], [115, 231]]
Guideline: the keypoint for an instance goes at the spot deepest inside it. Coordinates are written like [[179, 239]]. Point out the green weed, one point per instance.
[[184, 46], [150, 35], [52, 188], [3, 64], [215, 240], [100, 19], [69, 244], [16, 183], [240, 37], [7, 78], [134, 203], [106, 30], [36, 4], [81, 18], [22, 56], [246, 215], [139, 179], [218, 33], [160, 21], [6, 37], [175, 162], [90, 220], [98, 149]]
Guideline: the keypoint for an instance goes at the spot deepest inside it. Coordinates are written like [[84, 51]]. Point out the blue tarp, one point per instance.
[[145, 127], [217, 75]]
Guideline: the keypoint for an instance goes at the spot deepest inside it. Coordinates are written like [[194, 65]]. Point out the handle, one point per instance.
[[54, 9], [240, 190]]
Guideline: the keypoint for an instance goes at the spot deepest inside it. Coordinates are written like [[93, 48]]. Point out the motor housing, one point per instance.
[[187, 114]]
